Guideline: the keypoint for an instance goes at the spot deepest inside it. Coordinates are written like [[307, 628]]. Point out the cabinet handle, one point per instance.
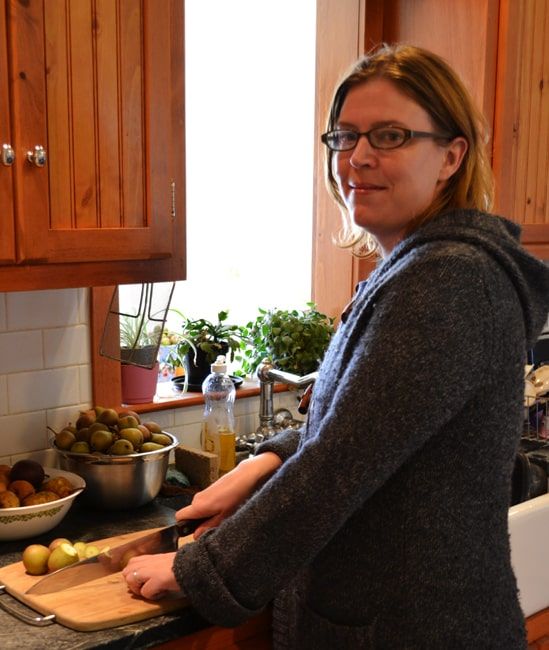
[[8, 155], [38, 156]]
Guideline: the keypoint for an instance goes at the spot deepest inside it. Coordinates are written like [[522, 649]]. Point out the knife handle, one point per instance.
[[188, 526]]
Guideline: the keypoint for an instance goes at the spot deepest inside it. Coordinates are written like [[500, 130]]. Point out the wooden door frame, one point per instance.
[[340, 40]]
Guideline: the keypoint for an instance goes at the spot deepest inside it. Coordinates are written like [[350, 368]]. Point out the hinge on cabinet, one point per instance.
[[173, 200]]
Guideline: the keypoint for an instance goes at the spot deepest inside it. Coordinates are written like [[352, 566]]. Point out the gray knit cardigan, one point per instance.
[[386, 525]]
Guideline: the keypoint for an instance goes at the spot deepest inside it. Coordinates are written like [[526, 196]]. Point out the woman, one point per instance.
[[383, 524]]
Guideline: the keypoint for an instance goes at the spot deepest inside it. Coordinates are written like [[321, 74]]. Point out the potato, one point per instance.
[[23, 489], [59, 485], [44, 496], [9, 499]]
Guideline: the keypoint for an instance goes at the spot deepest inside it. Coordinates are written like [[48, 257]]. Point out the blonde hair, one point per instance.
[[432, 83]]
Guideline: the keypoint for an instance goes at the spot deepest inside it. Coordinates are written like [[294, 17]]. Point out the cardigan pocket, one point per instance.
[[315, 632]]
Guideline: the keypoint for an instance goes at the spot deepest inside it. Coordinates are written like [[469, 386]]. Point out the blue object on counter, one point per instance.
[[175, 477]]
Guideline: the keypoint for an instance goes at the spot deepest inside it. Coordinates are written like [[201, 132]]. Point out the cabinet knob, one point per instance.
[[8, 155], [38, 156]]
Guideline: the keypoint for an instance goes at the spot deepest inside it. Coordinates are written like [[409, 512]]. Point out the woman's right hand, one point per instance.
[[222, 498]]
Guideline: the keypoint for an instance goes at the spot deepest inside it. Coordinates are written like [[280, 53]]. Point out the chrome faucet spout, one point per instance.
[[267, 375]]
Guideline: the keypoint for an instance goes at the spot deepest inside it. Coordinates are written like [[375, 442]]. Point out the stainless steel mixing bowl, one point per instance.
[[119, 482]]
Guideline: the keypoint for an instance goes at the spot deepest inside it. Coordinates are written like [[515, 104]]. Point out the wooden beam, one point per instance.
[[106, 382]]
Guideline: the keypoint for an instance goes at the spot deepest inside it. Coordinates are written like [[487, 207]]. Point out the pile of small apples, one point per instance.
[[26, 484], [39, 559], [105, 431]]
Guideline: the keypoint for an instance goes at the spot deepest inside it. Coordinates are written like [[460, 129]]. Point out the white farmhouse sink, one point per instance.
[[529, 533]]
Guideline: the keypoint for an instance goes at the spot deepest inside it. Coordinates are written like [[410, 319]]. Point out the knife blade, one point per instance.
[[114, 559]]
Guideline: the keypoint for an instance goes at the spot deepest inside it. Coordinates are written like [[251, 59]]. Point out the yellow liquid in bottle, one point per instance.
[[221, 442], [227, 453]]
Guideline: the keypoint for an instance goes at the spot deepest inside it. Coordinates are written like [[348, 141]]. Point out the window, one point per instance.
[[250, 87]]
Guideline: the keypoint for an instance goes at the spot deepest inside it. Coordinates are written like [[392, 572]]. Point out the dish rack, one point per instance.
[[535, 432]]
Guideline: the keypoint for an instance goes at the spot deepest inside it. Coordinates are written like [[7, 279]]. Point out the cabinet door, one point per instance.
[[91, 85], [7, 240], [521, 129]]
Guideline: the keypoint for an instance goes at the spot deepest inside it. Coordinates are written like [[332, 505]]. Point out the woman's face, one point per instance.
[[384, 190]]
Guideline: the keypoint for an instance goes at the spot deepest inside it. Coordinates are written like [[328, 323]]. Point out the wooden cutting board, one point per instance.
[[102, 603]]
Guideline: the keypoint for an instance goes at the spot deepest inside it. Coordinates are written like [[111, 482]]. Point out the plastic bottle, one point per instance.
[[218, 435]]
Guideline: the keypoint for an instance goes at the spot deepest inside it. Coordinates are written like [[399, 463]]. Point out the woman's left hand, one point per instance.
[[151, 576]]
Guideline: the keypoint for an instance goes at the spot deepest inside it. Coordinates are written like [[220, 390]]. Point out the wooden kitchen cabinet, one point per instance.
[[521, 120], [99, 84], [537, 629], [254, 634]]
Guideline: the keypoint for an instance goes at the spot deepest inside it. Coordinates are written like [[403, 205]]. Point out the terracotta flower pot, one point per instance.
[[138, 384]]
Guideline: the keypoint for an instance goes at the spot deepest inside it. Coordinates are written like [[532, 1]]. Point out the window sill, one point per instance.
[[250, 388]]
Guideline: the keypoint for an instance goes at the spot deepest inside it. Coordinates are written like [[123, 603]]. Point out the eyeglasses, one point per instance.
[[381, 137]]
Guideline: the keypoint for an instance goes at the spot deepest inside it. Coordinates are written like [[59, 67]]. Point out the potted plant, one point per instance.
[[138, 353], [200, 342], [294, 341], [138, 344]]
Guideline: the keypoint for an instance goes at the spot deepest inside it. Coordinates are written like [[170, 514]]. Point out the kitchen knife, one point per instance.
[[115, 559]]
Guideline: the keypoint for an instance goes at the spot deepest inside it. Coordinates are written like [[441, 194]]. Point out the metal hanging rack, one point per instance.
[[133, 334]]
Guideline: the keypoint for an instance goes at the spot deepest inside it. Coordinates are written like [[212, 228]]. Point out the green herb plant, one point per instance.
[[294, 341], [211, 338]]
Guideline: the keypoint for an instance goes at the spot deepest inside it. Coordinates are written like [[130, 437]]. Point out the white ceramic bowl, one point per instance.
[[530, 395], [540, 379], [29, 521]]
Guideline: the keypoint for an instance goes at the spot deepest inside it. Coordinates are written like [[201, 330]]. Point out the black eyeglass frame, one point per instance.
[[409, 134]]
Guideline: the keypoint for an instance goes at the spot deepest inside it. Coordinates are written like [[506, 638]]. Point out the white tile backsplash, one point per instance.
[[21, 351], [190, 415], [45, 371], [23, 433], [83, 305], [164, 418], [189, 435], [66, 346], [84, 372], [40, 309], [57, 418], [31, 391], [47, 457], [3, 323], [3, 398]]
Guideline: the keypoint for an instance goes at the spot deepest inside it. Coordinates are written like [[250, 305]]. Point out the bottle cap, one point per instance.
[[219, 365]]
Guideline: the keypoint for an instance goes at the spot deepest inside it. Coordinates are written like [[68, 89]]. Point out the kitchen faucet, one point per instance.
[[267, 375]]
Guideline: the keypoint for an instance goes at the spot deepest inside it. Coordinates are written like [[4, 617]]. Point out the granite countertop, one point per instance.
[[87, 524]]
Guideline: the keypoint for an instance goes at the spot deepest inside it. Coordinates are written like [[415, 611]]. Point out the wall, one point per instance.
[[45, 376], [44, 369]]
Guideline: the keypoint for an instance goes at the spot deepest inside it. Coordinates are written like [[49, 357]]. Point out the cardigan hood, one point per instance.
[[500, 239]]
